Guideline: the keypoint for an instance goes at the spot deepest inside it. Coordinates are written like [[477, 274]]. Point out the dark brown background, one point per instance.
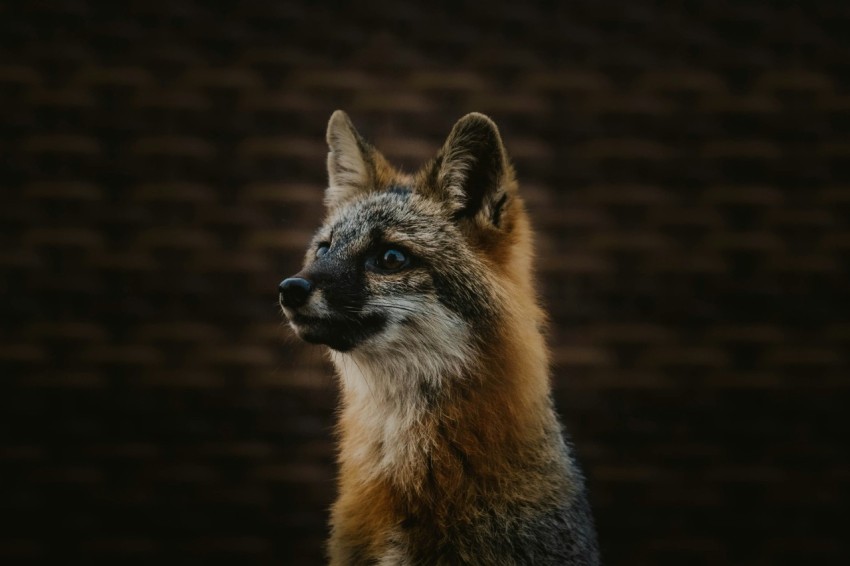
[[686, 165]]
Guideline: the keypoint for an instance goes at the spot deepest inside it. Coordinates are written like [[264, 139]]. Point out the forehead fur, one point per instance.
[[399, 215]]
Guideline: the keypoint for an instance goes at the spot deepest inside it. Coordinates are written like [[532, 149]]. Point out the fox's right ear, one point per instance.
[[351, 161], [471, 173]]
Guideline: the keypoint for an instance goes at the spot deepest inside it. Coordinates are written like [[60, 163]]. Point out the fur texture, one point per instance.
[[450, 450]]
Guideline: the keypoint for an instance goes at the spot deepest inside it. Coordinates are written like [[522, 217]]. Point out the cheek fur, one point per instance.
[[411, 281], [422, 340], [422, 335]]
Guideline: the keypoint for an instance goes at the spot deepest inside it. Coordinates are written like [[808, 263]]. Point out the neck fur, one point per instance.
[[405, 408]]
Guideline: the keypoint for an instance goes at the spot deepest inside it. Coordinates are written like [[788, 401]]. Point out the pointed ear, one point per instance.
[[350, 161], [471, 173]]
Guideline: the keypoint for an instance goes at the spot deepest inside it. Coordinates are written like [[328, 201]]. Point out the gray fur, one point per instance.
[[408, 344]]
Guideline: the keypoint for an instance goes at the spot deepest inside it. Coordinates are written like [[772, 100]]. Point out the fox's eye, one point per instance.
[[322, 249], [391, 260]]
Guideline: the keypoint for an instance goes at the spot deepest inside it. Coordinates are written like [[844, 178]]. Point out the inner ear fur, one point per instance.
[[354, 167]]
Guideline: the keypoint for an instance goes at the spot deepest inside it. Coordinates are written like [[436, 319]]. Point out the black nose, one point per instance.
[[294, 291]]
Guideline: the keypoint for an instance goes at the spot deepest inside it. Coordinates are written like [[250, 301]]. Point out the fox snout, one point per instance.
[[325, 307], [294, 291]]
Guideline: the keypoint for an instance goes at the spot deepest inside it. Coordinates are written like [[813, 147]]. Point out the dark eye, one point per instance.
[[391, 260], [322, 249]]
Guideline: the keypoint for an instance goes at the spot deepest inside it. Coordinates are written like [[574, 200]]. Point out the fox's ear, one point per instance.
[[471, 172], [351, 161]]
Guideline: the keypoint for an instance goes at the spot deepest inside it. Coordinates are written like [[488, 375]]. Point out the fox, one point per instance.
[[421, 288]]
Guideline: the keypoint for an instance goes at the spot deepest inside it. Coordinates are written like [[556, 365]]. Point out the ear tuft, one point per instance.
[[349, 160]]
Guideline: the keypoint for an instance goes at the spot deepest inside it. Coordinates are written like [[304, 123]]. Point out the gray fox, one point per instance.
[[421, 286]]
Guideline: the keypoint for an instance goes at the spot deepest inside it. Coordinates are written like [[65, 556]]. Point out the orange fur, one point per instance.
[[450, 450], [496, 414]]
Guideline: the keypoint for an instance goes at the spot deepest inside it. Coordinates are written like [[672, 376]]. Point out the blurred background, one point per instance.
[[686, 164]]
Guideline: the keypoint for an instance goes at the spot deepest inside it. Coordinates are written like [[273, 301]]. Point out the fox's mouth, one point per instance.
[[305, 320], [337, 332]]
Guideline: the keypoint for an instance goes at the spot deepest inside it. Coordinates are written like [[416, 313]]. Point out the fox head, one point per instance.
[[412, 265]]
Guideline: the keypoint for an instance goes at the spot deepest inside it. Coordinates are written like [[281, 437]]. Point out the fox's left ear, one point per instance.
[[471, 172]]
